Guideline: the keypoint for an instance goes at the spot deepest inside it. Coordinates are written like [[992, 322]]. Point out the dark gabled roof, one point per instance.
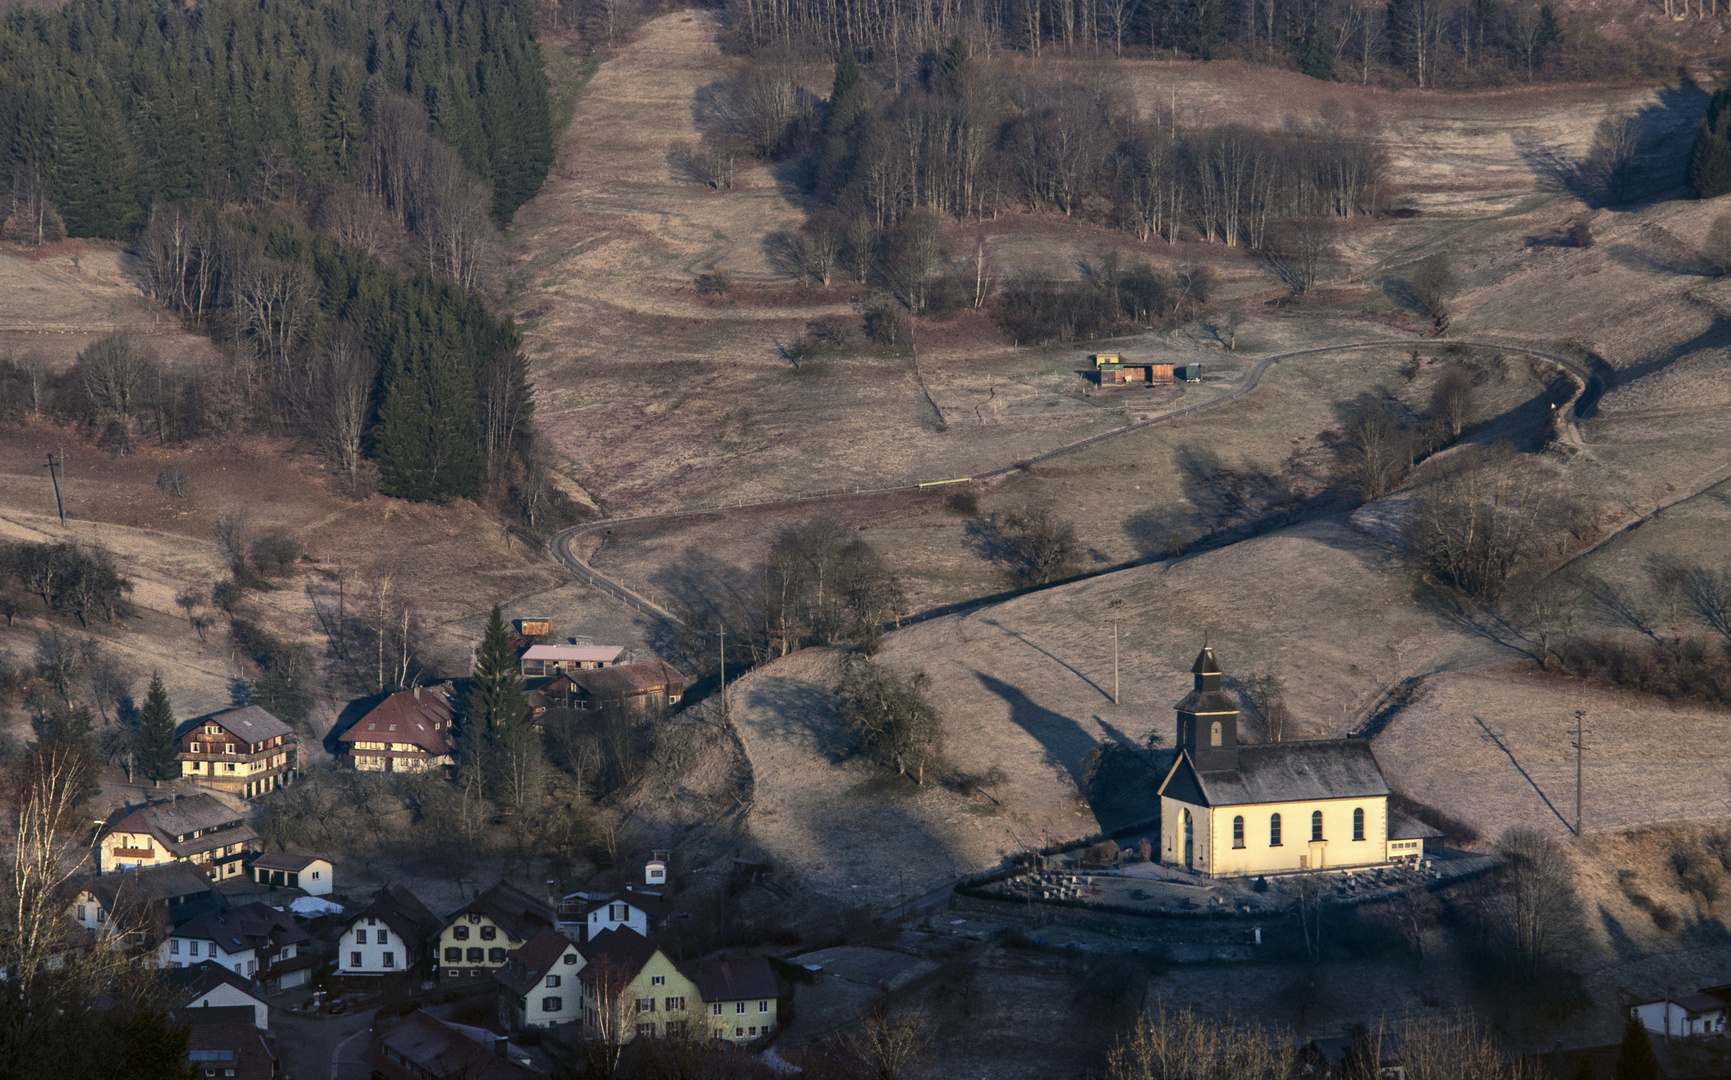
[[282, 860], [442, 1050], [628, 679], [175, 817], [1404, 827], [188, 984], [227, 1039], [622, 951], [733, 980], [399, 909], [515, 911], [422, 717], [149, 884], [248, 926], [1280, 772], [1700, 1002], [525, 967], [651, 905], [249, 724], [1205, 663]]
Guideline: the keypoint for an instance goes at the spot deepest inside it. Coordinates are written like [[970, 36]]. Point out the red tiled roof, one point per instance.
[[405, 717]]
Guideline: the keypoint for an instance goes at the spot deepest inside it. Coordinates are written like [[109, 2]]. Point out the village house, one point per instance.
[[223, 1042], [1702, 1013], [477, 936], [195, 829], [244, 751], [643, 912], [308, 873], [538, 986], [389, 936], [410, 731], [142, 905], [210, 985], [419, 1047], [740, 997], [253, 940], [1229, 810], [539, 660], [631, 989], [633, 687]]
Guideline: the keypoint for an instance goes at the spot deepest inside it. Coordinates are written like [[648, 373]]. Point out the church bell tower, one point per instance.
[[1208, 719]]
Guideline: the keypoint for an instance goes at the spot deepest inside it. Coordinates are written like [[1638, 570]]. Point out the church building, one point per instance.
[[1267, 808]]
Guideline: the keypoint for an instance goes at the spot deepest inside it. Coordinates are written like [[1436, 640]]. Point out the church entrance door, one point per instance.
[[1317, 848], [1189, 842]]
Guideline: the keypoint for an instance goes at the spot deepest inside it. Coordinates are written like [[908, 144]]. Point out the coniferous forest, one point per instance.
[[317, 187]]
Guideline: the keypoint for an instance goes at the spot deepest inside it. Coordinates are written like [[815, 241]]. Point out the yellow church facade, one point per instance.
[[1228, 810]]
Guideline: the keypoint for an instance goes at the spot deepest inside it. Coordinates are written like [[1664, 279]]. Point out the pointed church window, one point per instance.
[[1214, 736], [1358, 823], [1316, 826], [1238, 832], [1274, 830]]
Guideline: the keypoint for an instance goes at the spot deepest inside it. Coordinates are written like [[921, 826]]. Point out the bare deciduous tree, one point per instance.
[[896, 723], [1538, 895], [890, 1043], [1480, 520], [1377, 448], [114, 371], [1032, 545], [1451, 400]]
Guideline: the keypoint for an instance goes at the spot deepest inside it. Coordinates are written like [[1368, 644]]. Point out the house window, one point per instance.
[[477, 956], [315, 875], [675, 1004], [195, 748], [1214, 734], [739, 1007], [647, 1031], [488, 933], [382, 938], [1273, 830], [753, 1031], [174, 947], [716, 1008], [657, 980], [1238, 832], [1358, 823], [570, 958], [459, 933], [496, 956], [354, 959], [390, 959], [194, 948], [360, 937], [763, 1006], [552, 982], [645, 1005], [616, 912], [1315, 826], [739, 1033]]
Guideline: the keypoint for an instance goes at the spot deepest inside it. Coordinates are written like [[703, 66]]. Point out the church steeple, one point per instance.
[[1208, 718]]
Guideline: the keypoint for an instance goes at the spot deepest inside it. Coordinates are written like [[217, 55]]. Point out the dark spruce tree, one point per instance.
[[496, 698], [1635, 1058], [156, 733], [1710, 161]]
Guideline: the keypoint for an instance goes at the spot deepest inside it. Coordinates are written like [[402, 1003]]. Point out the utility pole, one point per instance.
[[342, 617], [1114, 661], [725, 715], [1580, 745], [55, 480]]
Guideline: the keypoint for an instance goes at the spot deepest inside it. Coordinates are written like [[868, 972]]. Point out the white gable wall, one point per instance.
[[611, 916], [373, 943], [225, 995]]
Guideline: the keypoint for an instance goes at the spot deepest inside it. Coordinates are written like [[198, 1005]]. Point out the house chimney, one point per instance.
[[501, 1046], [417, 693]]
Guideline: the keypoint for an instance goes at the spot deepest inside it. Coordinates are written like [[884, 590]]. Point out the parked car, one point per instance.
[[337, 1005]]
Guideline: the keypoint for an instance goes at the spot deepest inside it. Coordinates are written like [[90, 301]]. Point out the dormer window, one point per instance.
[[195, 748]]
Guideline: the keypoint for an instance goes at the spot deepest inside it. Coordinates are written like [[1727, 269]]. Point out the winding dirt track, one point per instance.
[[1593, 386]]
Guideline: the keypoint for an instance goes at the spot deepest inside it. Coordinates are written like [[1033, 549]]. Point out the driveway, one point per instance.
[[307, 1045]]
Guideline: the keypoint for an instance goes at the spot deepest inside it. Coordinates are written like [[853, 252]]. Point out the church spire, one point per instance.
[[1208, 718]]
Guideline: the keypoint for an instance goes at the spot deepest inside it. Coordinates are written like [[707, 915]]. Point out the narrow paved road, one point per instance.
[[1593, 385], [322, 1047]]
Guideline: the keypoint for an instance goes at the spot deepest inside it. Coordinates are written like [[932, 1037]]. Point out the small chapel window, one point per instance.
[[1316, 826], [1214, 736], [1238, 832], [1274, 830], [1358, 823]]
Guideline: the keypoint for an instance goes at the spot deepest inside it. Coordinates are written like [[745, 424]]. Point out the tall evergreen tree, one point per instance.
[[496, 697], [1635, 1059], [1710, 160], [156, 733]]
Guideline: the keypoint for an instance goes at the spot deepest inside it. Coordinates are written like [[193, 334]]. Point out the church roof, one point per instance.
[[1205, 663], [1198, 702], [1280, 772]]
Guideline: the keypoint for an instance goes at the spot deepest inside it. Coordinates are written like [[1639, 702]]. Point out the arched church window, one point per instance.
[[1238, 832], [1273, 830], [1358, 823], [1214, 736], [1316, 825]]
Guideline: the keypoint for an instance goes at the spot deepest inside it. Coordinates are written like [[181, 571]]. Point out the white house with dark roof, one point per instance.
[[244, 751], [388, 937], [639, 911], [209, 985], [1267, 808], [538, 986], [739, 997], [251, 940], [308, 873]]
